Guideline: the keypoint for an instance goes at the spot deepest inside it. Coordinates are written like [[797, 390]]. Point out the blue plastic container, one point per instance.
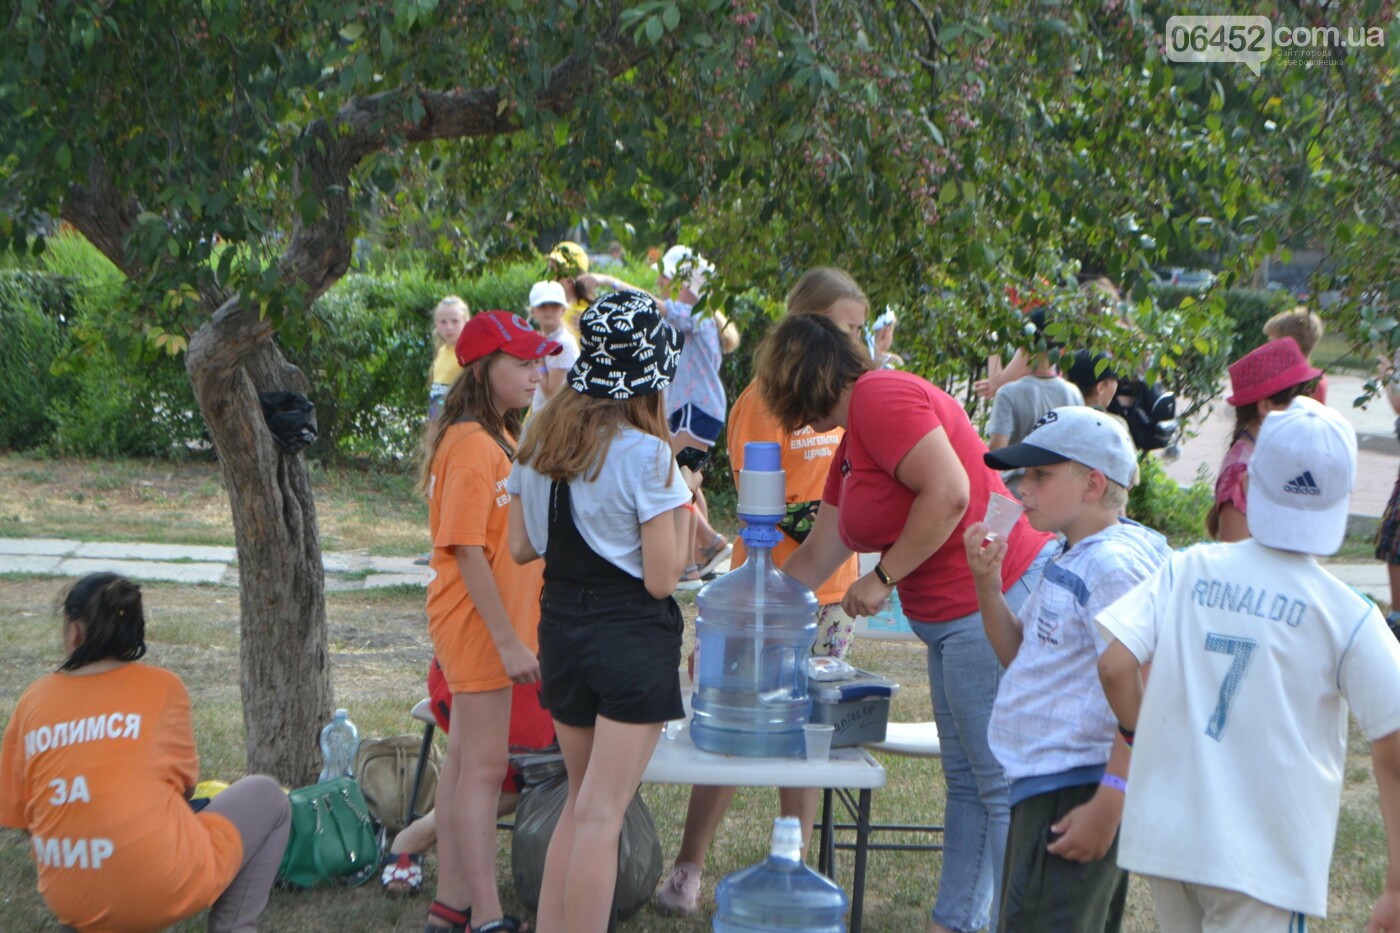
[[780, 894], [754, 633]]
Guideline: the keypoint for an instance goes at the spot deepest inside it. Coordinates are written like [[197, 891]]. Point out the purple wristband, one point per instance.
[[1114, 781]]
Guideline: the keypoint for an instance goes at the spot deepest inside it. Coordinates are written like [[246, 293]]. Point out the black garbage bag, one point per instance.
[[291, 418], [639, 861]]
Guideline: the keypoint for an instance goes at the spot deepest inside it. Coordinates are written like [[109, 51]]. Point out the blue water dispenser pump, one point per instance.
[[762, 494]]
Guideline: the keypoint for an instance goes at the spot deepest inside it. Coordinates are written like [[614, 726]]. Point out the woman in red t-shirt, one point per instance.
[[906, 481]]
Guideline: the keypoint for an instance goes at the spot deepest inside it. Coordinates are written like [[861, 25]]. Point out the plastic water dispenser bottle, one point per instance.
[[754, 633], [781, 893], [339, 742]]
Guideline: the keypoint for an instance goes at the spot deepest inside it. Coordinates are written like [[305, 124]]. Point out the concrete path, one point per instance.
[[178, 563]]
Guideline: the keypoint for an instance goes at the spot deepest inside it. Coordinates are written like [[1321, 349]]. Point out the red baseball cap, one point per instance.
[[489, 331]]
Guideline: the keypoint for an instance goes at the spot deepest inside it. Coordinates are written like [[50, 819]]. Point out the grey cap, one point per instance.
[[1074, 432]]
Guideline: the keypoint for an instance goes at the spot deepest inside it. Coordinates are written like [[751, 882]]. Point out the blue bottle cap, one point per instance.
[[763, 456]]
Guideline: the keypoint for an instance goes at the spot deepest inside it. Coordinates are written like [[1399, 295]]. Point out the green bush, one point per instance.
[[34, 309], [1158, 502], [1247, 308]]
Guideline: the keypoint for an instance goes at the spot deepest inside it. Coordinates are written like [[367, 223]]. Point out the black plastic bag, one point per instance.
[[291, 418], [639, 861]]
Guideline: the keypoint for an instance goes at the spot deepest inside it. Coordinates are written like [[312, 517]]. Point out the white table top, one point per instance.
[[677, 761]]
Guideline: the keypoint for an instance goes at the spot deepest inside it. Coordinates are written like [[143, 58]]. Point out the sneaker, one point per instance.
[[680, 894]]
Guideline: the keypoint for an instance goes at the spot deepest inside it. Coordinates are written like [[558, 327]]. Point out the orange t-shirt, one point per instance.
[[468, 506], [95, 767], [806, 457]]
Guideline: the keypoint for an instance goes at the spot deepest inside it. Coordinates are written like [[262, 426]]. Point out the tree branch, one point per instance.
[[104, 217]]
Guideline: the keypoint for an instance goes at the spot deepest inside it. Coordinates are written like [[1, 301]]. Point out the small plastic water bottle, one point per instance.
[[339, 742], [781, 893]]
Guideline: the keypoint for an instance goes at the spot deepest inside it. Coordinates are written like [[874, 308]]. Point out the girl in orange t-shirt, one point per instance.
[[97, 764], [483, 608]]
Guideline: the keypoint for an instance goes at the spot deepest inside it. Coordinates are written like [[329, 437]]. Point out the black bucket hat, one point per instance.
[[626, 348]]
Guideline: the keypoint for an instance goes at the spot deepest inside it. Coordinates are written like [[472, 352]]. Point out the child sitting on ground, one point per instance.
[[1265, 379], [1306, 329], [1239, 741], [1051, 727]]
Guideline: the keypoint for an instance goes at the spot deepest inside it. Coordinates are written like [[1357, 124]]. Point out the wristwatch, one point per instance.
[[884, 575]]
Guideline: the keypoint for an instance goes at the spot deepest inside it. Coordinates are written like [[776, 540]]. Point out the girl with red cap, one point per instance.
[[1267, 378]]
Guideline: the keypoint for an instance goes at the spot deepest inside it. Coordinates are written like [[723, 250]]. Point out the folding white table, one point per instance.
[[678, 761]]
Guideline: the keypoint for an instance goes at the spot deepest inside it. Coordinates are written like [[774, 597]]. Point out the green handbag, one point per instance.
[[332, 838]]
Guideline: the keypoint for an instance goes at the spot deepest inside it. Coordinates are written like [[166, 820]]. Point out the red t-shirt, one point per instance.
[[890, 412]]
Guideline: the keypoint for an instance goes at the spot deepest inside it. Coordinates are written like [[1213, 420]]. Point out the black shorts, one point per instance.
[[612, 652]]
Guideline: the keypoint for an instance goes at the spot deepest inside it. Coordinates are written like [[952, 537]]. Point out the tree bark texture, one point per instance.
[[283, 657]]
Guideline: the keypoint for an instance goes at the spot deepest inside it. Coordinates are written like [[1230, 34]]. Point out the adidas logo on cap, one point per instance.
[[1303, 485]]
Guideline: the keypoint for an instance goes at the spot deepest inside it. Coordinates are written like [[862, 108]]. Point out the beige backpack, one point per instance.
[[385, 769]]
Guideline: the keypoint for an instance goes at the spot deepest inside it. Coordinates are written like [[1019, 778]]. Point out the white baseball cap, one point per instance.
[[543, 293], [682, 259], [1073, 432], [1300, 479]]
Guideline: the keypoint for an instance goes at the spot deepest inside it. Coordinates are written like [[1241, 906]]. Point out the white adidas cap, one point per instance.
[[1300, 479]]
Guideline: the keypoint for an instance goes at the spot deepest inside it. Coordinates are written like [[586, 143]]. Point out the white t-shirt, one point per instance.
[[632, 488], [1051, 715], [564, 360], [1238, 762]]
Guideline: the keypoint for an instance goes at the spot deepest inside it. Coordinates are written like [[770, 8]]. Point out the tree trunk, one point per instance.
[[285, 674]]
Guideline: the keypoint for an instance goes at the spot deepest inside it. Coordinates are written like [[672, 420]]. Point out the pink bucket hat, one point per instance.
[[1267, 369]]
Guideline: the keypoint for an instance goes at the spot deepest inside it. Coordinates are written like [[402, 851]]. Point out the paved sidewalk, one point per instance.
[[179, 563]]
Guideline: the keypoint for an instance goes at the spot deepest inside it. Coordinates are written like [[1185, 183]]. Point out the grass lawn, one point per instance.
[[379, 655]]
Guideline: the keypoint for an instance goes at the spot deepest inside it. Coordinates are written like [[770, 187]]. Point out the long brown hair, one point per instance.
[[1247, 415], [469, 399], [820, 288], [570, 436]]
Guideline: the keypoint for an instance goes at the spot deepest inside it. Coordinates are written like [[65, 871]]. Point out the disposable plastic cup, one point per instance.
[[1002, 513], [818, 735]]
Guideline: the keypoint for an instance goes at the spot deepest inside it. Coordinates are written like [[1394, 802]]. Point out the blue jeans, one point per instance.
[[963, 674]]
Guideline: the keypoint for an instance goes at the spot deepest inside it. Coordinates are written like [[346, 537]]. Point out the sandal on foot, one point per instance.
[[714, 553], [459, 921], [691, 578], [506, 924], [402, 873]]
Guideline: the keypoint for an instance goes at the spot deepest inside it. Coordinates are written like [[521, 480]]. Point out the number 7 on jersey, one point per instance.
[[1243, 650]]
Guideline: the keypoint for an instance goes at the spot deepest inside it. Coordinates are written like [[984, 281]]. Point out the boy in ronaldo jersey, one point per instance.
[[1051, 727], [1239, 738]]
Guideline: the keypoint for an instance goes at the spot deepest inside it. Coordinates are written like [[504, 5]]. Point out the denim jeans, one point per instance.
[[963, 674]]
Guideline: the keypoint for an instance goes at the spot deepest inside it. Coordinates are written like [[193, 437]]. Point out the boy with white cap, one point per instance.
[[1051, 727], [547, 306], [1240, 737]]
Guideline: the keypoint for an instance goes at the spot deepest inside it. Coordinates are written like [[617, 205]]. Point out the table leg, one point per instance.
[[826, 853], [862, 843]]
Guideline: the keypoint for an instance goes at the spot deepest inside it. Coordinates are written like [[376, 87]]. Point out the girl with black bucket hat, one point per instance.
[[600, 496]]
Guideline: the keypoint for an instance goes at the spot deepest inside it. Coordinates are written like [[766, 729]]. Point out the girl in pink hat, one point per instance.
[[1267, 378]]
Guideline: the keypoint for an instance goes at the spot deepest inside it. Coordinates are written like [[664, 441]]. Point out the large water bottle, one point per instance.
[[339, 742], [781, 893], [754, 633]]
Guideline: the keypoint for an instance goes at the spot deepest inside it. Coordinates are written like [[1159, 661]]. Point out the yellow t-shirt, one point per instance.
[[95, 767], [806, 456], [445, 368], [572, 315], [468, 505]]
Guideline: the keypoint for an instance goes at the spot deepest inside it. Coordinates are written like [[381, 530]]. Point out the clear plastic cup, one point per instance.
[[1002, 513], [817, 736]]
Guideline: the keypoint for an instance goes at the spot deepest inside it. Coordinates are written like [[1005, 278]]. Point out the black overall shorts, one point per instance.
[[607, 646]]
